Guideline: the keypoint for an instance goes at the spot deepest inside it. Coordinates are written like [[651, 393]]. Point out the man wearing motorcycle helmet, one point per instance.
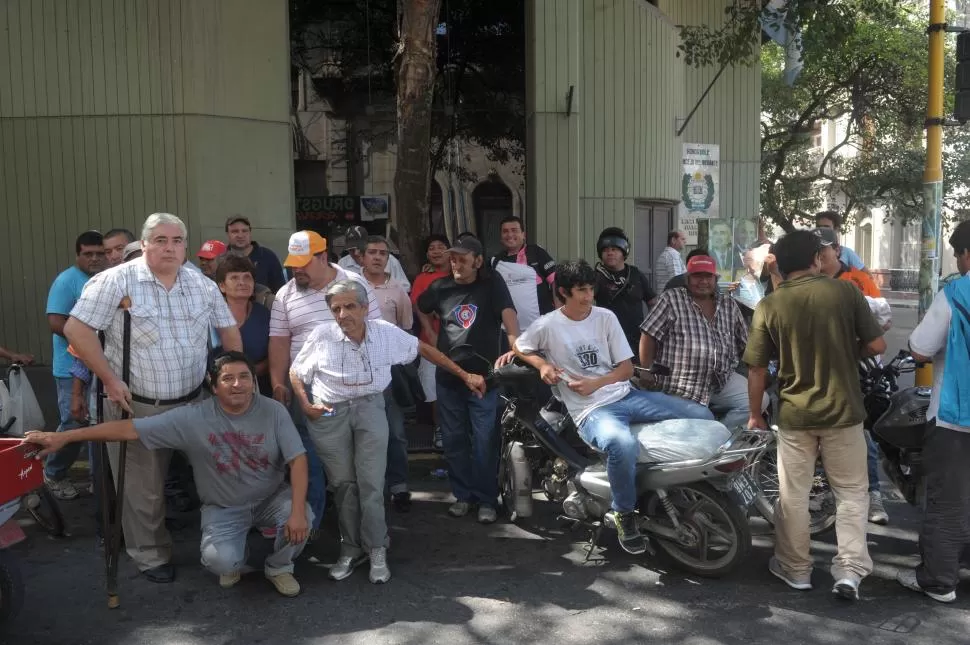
[[585, 352], [942, 337], [620, 287]]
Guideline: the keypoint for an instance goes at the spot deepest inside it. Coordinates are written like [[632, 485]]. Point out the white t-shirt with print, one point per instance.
[[582, 349], [929, 339], [521, 281]]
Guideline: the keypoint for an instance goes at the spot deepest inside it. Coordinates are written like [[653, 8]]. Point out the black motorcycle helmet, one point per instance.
[[615, 237]]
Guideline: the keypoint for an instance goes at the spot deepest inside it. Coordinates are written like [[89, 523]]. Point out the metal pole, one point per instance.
[[929, 272]]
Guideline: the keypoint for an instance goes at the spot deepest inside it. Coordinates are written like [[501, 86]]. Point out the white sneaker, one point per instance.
[[801, 584], [459, 509], [345, 566], [62, 489], [907, 578], [486, 515], [229, 580], [877, 512], [847, 588], [379, 572]]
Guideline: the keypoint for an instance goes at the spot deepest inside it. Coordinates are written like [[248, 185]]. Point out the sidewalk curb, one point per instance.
[[903, 304]]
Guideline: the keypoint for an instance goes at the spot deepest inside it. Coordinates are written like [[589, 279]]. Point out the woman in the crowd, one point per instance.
[[236, 277]]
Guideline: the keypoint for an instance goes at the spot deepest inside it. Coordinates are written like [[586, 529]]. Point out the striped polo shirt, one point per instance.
[[297, 312]]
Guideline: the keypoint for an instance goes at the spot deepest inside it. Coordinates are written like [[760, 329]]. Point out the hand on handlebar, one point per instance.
[[504, 359], [475, 383], [757, 421]]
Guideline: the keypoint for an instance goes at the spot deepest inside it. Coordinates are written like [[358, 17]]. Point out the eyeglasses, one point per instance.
[[357, 368]]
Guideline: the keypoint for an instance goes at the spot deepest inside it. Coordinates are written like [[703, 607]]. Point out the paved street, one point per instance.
[[459, 583]]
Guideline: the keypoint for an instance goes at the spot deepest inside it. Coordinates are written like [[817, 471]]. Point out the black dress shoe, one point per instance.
[[401, 502], [161, 574]]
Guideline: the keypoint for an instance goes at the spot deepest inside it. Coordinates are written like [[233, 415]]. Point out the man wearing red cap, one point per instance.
[[700, 335], [208, 253]]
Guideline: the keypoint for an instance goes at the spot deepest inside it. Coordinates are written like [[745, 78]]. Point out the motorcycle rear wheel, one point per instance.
[[715, 524], [821, 497], [11, 587]]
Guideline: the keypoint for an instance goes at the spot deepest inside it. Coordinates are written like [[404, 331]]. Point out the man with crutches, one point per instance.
[[171, 309]]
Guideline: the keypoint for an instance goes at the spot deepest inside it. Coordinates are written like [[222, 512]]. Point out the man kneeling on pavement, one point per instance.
[[239, 444]]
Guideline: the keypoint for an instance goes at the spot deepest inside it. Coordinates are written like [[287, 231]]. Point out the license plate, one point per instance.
[[744, 490]]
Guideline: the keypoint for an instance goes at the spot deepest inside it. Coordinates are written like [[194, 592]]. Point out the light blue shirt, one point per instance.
[[851, 258], [62, 297]]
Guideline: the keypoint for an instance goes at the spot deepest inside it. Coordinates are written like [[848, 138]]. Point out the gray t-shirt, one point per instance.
[[237, 460]]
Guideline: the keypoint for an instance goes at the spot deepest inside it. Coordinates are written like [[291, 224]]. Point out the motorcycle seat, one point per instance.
[[679, 440]]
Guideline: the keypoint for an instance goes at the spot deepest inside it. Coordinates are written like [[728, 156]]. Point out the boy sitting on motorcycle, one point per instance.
[[585, 353]]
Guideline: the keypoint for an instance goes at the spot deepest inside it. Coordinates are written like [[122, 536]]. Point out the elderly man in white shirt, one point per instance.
[[297, 309], [348, 366], [171, 308]]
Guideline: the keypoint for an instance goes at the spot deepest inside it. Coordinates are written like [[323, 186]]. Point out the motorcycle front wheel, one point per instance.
[[715, 537]]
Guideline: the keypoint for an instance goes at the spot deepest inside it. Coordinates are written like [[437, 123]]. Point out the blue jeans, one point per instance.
[[316, 492], [607, 429], [872, 462], [470, 433], [60, 462], [396, 475]]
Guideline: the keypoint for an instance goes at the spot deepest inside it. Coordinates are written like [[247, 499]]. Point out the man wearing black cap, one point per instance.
[[269, 271], [356, 244], [472, 304]]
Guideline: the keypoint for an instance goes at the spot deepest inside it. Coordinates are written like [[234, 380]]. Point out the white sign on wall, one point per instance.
[[687, 224], [700, 186]]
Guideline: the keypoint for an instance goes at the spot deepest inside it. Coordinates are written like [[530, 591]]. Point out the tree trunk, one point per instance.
[[415, 78]]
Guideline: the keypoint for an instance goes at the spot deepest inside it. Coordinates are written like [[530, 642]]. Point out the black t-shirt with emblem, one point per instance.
[[624, 293], [470, 314]]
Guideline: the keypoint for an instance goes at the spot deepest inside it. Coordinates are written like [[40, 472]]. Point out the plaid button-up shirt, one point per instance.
[[700, 353], [169, 327]]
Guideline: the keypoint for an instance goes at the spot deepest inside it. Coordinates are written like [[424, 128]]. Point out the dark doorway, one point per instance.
[[492, 200], [651, 223]]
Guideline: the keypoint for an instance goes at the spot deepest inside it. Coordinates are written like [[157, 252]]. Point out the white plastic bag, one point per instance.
[[680, 439], [20, 404], [881, 310]]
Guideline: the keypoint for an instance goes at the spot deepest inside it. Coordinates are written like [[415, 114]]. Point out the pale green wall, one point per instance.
[[619, 144], [729, 116], [112, 110]]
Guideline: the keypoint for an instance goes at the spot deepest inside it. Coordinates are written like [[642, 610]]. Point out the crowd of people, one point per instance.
[[278, 388]]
